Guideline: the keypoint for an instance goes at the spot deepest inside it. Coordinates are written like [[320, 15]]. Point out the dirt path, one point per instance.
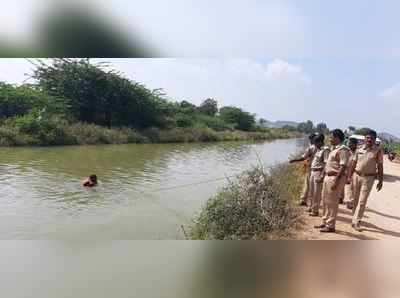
[[381, 219]]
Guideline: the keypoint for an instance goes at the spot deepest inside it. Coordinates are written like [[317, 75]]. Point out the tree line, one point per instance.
[[77, 91], [80, 91]]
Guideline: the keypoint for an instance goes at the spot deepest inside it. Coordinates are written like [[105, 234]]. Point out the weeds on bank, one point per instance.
[[260, 204]]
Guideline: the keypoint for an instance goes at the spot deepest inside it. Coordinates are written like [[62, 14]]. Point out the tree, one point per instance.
[[240, 119], [362, 131], [289, 128], [321, 128], [351, 128], [209, 107], [263, 122], [187, 107], [306, 127], [100, 95], [24, 99]]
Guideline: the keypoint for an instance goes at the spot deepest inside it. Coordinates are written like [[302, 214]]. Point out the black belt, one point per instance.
[[332, 174]]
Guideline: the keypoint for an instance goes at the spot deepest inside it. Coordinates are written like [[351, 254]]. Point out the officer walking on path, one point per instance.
[[334, 181], [367, 166], [349, 188]]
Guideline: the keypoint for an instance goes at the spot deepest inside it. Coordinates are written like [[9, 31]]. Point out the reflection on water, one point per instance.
[[41, 196]]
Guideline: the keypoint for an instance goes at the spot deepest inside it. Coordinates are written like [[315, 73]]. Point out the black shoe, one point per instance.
[[302, 203], [356, 227], [309, 210], [320, 226], [327, 230]]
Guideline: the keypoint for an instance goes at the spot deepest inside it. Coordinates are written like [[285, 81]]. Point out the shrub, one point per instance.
[[206, 134], [184, 120], [25, 124], [90, 134], [40, 129], [10, 136], [215, 123], [257, 205], [152, 134], [52, 132], [240, 119]]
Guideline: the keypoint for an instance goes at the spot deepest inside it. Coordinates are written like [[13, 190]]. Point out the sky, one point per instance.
[[332, 61], [337, 92], [290, 29]]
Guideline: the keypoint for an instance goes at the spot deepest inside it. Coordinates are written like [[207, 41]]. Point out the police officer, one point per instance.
[[349, 188], [317, 173], [308, 155], [334, 180], [367, 166]]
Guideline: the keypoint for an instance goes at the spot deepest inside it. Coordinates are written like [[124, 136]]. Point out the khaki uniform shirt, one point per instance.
[[339, 156], [309, 155], [367, 159], [351, 158], [320, 158]]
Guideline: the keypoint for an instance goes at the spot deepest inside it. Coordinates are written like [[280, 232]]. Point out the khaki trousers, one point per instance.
[[331, 199], [362, 189], [315, 190], [306, 187], [349, 192]]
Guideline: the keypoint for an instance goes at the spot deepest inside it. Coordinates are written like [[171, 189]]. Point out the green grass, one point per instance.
[[259, 205], [27, 131]]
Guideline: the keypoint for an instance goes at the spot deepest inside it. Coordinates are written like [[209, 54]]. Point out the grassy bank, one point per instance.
[[259, 205], [62, 133]]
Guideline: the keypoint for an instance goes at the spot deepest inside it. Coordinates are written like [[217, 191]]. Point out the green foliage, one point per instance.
[[257, 204], [21, 100], [262, 121], [215, 123], [289, 128], [306, 127], [11, 136], [322, 128], [183, 120], [362, 131], [240, 119], [390, 146], [209, 107], [102, 96], [90, 134], [76, 102], [43, 128], [187, 108]]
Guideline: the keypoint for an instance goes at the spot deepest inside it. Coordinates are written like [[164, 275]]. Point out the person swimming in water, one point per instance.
[[91, 181]]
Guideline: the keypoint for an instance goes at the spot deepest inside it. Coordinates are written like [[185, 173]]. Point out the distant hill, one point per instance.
[[279, 124], [388, 137]]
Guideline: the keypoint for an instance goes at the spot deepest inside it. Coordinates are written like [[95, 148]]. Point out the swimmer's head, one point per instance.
[[93, 179]]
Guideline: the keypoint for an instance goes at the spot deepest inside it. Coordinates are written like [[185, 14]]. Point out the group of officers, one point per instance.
[[340, 172]]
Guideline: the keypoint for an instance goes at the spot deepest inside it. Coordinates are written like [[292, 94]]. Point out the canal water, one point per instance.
[[145, 192]]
